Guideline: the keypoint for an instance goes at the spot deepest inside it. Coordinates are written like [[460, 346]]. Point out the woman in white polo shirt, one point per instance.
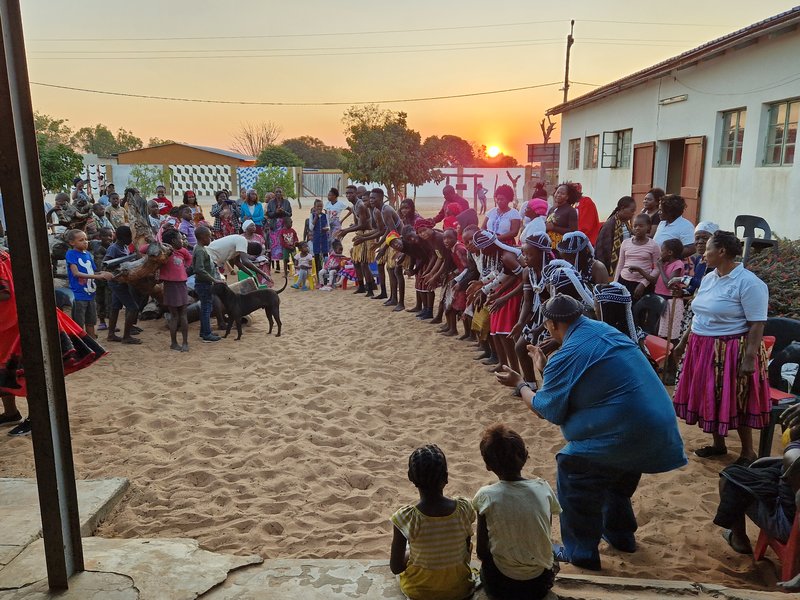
[[723, 384]]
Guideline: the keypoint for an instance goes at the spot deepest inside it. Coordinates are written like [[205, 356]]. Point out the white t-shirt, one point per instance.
[[518, 516], [336, 209], [534, 226], [680, 229], [304, 262], [724, 305], [500, 223], [224, 249]]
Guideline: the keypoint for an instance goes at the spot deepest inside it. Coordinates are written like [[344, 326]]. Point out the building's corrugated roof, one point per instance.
[[228, 153], [686, 59], [220, 151]]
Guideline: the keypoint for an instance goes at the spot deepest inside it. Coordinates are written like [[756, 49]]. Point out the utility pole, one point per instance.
[[570, 41]]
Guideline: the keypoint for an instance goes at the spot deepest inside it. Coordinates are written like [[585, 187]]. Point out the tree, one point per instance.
[[382, 149], [58, 163], [449, 151], [484, 160], [314, 152], [278, 156], [253, 138], [273, 177], [146, 178], [55, 131], [154, 141], [99, 140]]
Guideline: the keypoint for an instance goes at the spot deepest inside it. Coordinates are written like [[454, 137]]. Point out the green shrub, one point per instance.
[[779, 268]]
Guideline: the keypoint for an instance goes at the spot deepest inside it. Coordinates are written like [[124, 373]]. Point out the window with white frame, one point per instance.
[[617, 149], [730, 149], [590, 151], [574, 154], [782, 118]]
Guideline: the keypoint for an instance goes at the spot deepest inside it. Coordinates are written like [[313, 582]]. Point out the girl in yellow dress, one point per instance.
[[432, 545]]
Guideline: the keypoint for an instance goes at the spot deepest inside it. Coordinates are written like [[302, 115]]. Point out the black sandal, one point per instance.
[[708, 451]]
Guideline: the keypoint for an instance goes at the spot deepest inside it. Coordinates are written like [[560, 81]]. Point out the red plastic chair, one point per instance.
[[769, 342], [657, 347], [788, 553]]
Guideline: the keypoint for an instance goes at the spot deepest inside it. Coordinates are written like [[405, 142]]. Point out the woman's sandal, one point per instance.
[[708, 451]]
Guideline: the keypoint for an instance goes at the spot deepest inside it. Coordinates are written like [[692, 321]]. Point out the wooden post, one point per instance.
[[570, 41], [21, 182]]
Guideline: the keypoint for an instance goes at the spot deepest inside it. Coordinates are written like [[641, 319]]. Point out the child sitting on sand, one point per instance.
[[304, 263], [431, 547], [329, 275], [514, 519]]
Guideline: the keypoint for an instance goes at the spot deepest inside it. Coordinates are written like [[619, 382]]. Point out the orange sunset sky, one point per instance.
[[348, 51]]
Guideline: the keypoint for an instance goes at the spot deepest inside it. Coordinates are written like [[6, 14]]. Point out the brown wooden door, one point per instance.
[[692, 175], [644, 160]]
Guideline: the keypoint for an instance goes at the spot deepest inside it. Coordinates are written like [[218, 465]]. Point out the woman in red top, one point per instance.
[[78, 350]]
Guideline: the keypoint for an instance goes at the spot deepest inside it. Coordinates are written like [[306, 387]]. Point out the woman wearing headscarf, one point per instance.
[[500, 289], [577, 250], [723, 383], [253, 210], [534, 218], [614, 231], [536, 253]]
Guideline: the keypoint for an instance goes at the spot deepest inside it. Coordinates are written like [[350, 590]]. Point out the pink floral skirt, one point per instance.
[[710, 392]]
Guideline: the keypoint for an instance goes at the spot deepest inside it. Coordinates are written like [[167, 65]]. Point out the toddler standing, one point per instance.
[[637, 253], [176, 294], [82, 277], [431, 547]]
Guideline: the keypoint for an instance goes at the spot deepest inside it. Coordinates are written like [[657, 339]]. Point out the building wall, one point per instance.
[[750, 78], [176, 154]]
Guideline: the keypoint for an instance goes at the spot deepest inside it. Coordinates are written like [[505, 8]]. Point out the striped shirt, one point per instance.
[[437, 542]]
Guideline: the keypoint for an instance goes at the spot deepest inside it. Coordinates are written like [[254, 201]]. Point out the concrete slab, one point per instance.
[[345, 579], [19, 504], [159, 568], [83, 586]]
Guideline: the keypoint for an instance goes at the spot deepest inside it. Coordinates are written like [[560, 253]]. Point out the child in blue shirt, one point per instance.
[[82, 274]]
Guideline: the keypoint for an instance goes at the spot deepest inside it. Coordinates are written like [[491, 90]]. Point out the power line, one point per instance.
[[328, 49], [372, 32], [101, 56], [261, 103], [292, 35]]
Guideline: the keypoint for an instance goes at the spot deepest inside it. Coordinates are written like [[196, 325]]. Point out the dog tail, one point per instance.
[[285, 283]]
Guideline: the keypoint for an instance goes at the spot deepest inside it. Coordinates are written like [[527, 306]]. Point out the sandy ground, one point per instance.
[[297, 446]]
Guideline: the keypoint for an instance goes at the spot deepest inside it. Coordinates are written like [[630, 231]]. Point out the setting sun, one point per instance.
[[492, 151]]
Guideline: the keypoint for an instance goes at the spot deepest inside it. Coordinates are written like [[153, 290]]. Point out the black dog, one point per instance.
[[241, 305]]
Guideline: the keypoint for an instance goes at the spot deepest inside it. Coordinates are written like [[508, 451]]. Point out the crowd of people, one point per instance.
[[546, 292]]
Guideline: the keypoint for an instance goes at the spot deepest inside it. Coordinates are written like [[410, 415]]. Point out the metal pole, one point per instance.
[[20, 181], [570, 41]]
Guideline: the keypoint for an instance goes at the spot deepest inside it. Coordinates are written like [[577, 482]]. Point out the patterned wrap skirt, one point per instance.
[[710, 392], [78, 351]]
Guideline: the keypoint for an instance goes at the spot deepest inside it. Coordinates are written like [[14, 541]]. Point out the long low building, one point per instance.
[[717, 124]]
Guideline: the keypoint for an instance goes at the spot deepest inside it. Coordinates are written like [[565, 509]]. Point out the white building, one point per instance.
[[717, 124]]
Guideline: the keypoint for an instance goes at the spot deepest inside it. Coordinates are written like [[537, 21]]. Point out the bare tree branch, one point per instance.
[[252, 138]]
